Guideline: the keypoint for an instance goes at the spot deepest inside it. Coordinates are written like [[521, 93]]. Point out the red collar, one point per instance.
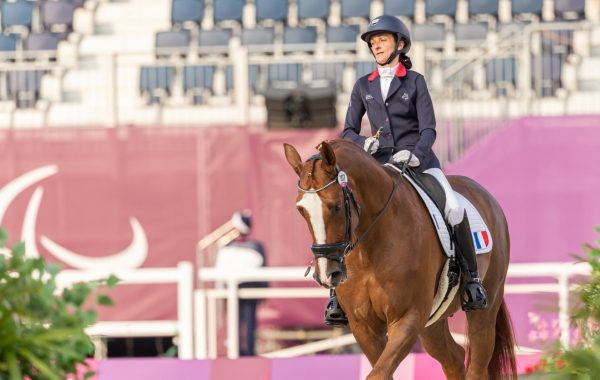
[[400, 72]]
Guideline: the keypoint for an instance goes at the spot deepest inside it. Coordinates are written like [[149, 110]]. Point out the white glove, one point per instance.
[[373, 143], [403, 156]]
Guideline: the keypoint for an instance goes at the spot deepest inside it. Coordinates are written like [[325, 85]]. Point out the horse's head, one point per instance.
[[329, 208]]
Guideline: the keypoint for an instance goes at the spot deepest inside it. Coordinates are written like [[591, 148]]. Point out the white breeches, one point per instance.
[[454, 211]]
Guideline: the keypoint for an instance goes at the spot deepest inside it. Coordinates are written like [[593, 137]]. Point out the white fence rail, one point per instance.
[[182, 275]]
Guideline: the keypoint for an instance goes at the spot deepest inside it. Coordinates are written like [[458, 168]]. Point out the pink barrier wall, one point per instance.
[[321, 367]]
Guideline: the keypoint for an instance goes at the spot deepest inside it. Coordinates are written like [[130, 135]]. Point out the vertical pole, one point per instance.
[[232, 319], [200, 324], [185, 286], [563, 309]]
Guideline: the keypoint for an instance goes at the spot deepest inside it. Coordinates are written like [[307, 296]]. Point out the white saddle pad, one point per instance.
[[482, 238]]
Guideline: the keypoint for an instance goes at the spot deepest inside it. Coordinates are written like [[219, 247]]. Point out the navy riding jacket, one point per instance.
[[406, 116]]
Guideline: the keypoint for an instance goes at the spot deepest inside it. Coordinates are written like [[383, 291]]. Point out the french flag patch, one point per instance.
[[481, 239]]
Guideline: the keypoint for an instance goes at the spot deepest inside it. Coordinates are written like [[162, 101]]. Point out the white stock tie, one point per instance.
[[386, 75]]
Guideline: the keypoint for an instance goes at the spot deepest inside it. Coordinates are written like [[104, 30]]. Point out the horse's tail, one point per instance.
[[503, 365]]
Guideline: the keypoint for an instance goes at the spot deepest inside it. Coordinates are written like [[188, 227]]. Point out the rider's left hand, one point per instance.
[[404, 156]]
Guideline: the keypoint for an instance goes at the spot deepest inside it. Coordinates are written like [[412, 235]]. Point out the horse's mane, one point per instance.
[[349, 155]]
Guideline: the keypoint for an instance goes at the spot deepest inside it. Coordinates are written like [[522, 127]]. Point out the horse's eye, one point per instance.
[[337, 208]]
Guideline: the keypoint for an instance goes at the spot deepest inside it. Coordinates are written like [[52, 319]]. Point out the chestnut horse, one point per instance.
[[376, 245]]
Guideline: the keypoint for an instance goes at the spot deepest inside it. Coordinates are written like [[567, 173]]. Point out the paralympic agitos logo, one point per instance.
[[131, 257]]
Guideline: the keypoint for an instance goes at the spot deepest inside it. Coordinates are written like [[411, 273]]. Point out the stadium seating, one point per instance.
[[301, 39], [400, 8], [569, 9], [214, 41], [259, 40], [17, 14], [467, 34], [156, 83], [440, 8], [501, 74], [533, 7], [331, 71], [172, 42], [24, 87], [43, 41], [275, 10], [187, 11], [341, 37], [355, 8], [363, 68], [198, 80], [57, 13], [228, 10], [8, 46], [483, 7], [284, 72], [309, 9], [432, 34]]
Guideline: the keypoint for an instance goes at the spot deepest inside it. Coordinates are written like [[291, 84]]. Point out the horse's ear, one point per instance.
[[292, 156], [327, 156]]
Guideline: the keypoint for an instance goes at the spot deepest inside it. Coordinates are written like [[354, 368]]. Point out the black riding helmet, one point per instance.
[[390, 24]]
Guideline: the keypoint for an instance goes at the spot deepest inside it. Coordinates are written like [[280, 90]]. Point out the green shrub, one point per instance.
[[41, 330]]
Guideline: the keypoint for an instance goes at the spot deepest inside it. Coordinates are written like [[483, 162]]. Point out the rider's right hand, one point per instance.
[[371, 145]]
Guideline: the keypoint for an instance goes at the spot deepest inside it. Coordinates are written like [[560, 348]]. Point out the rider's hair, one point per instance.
[[405, 60]]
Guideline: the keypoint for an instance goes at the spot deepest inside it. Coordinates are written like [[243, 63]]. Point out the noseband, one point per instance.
[[336, 251]]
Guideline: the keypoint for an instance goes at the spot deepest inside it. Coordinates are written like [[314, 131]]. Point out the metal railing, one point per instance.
[[206, 301]]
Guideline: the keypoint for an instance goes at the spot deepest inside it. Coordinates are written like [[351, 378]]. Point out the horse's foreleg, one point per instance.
[[438, 342], [370, 340], [402, 335]]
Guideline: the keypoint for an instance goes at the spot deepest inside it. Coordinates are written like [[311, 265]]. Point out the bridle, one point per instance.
[[339, 250]]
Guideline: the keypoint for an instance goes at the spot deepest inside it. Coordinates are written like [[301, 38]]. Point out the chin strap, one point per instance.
[[391, 58]]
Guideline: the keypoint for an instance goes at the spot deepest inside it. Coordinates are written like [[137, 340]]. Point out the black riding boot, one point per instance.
[[473, 296], [334, 315]]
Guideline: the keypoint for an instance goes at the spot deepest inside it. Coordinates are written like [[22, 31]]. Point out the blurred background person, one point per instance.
[[244, 253]]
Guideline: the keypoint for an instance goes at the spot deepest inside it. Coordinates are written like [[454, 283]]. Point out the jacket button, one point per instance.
[[387, 104], [387, 119]]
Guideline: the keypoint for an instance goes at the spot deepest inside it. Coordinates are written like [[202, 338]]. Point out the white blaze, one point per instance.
[[314, 207]]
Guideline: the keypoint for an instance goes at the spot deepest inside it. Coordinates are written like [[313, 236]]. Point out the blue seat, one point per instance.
[[172, 42], [363, 68], [470, 32], [197, 80], [481, 7], [19, 13], [313, 9], [501, 74], [569, 9], [527, 6], [428, 33], [8, 46], [183, 11], [260, 39], [214, 41], [341, 37], [156, 82], [228, 10], [271, 10], [284, 72], [404, 8], [355, 8], [59, 12], [24, 87], [299, 39], [331, 71], [254, 81], [440, 7], [42, 41]]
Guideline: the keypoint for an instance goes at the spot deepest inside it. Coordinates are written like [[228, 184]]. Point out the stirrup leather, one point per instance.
[[334, 315]]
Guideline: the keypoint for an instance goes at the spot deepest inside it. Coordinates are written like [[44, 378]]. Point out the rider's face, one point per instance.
[[382, 45]]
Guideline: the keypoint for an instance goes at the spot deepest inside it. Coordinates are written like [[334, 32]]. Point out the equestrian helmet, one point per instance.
[[390, 24]]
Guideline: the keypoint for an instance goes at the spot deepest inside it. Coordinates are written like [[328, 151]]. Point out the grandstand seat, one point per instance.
[[271, 10], [501, 75], [214, 41], [43, 41], [569, 9], [172, 42], [302, 39], [483, 7], [341, 37], [284, 72], [24, 87], [228, 10], [259, 40], [16, 14], [198, 80], [363, 68], [58, 12], [187, 11], [355, 8], [527, 7], [317, 9], [399, 8], [331, 71], [470, 32], [253, 78], [156, 83], [8, 46], [429, 33], [440, 8]]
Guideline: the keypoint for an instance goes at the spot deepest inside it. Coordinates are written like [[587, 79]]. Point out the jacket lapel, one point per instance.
[[394, 86], [375, 90]]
